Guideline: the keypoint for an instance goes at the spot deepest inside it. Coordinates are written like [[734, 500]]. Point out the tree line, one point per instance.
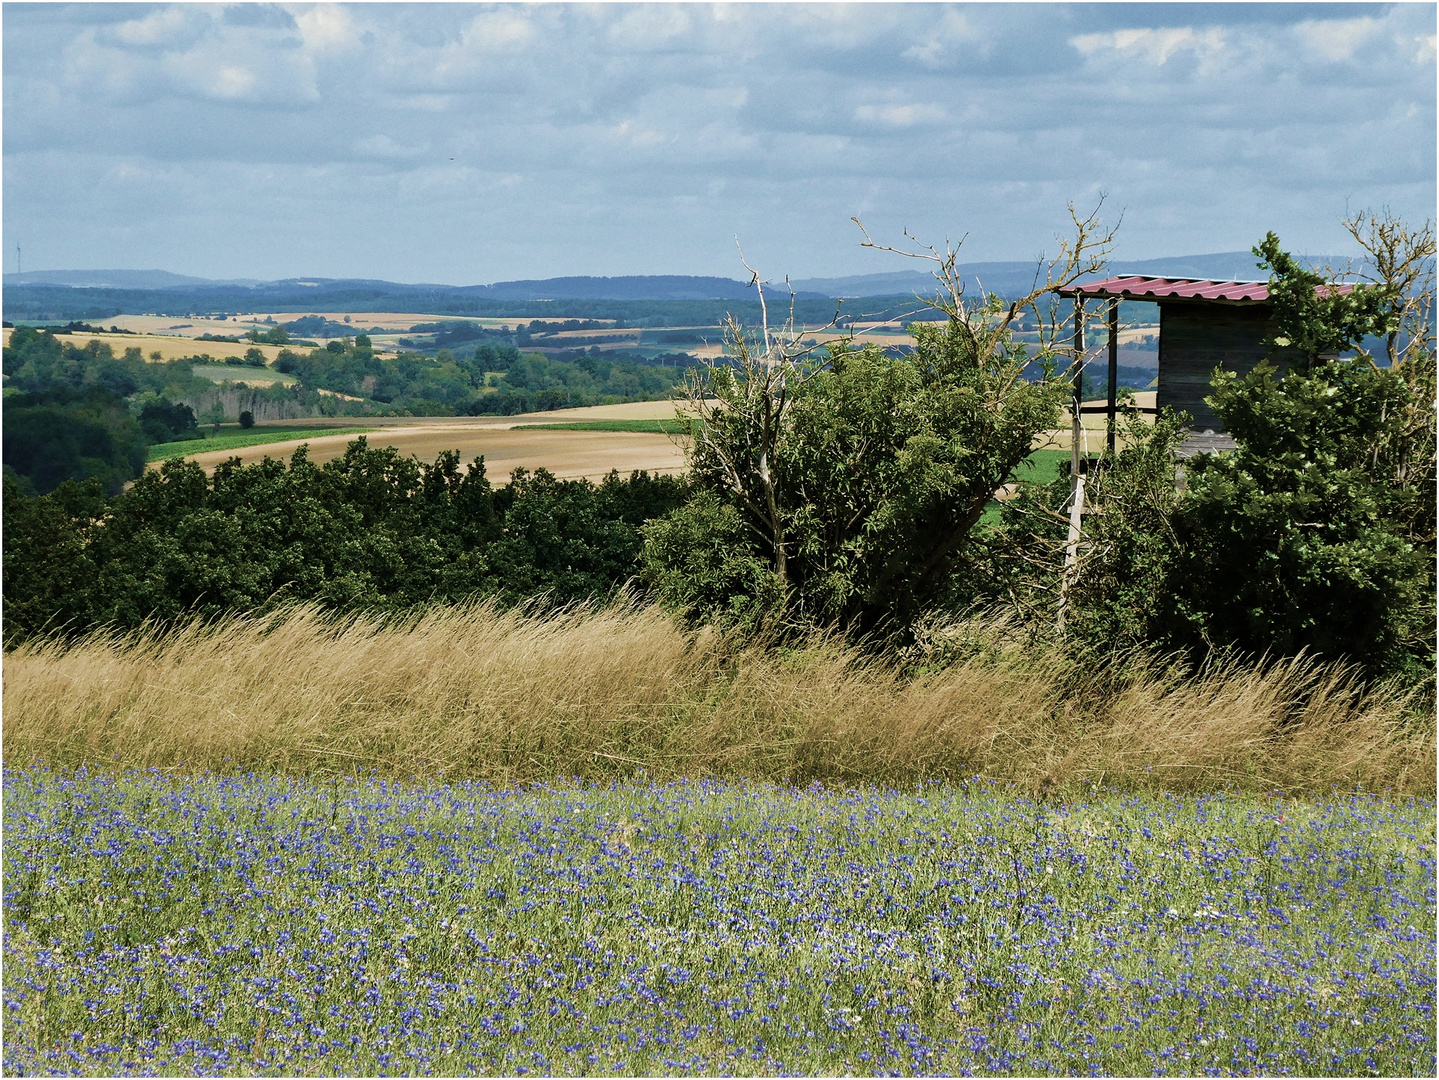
[[369, 530]]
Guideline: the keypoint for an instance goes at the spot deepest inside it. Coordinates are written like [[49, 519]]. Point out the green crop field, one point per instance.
[[648, 427], [236, 373], [256, 436]]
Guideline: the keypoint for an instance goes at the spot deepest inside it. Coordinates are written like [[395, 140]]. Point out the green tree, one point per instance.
[[1290, 542], [167, 421], [372, 529], [49, 564], [72, 434], [860, 475], [274, 336]]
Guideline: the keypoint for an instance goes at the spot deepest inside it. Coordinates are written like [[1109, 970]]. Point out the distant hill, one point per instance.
[[1016, 278], [102, 294], [115, 279], [642, 287], [638, 287]]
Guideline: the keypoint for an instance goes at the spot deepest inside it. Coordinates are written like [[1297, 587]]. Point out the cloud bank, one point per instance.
[[469, 144]]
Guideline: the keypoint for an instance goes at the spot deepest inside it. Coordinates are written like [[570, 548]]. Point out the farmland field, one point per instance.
[[656, 427], [568, 454], [253, 924], [506, 442], [260, 435], [249, 376], [169, 346]]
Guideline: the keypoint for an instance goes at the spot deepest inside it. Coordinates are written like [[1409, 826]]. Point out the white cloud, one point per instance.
[[650, 26], [899, 115], [232, 81], [488, 38], [192, 53], [1336, 39], [637, 135], [1154, 46], [938, 50], [167, 26], [326, 27], [498, 30]]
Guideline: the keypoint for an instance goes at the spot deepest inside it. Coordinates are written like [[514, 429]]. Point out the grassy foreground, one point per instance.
[[474, 693], [253, 926]]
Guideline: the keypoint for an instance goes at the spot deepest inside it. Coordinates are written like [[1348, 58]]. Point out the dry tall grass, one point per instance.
[[505, 696]]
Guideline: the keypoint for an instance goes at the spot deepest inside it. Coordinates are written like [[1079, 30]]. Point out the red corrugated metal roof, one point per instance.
[[1153, 288], [1157, 288]]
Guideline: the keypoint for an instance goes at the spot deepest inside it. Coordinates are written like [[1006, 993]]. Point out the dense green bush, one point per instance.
[[168, 421], [700, 559], [1295, 541], [369, 530]]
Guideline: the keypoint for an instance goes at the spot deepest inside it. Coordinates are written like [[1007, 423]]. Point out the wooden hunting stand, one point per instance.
[[1202, 325]]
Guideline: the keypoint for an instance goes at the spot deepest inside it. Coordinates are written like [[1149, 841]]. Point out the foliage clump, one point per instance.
[[856, 476]]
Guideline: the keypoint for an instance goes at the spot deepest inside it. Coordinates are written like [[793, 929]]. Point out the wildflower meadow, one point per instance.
[[257, 924]]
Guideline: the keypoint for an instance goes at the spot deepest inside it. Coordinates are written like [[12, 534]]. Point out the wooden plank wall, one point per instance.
[[1194, 339]]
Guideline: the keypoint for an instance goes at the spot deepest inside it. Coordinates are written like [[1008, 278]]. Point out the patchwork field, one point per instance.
[[170, 347]]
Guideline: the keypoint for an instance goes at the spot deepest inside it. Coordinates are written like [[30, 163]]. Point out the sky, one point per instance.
[[467, 144]]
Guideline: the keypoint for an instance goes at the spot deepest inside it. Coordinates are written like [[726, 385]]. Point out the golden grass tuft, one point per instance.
[[474, 692]]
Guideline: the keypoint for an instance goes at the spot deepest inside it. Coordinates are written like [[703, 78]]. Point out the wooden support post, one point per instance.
[[1113, 367], [1077, 389], [1076, 463]]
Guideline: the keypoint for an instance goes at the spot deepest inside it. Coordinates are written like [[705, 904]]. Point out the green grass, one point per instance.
[[654, 427], [1043, 467], [254, 437]]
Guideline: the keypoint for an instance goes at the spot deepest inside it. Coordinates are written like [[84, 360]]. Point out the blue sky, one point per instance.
[[468, 144]]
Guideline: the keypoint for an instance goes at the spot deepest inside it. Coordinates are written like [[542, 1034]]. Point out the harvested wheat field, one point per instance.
[[503, 441]]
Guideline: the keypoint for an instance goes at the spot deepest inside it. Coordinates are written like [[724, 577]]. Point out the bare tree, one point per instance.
[[984, 321], [737, 410], [1401, 262]]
